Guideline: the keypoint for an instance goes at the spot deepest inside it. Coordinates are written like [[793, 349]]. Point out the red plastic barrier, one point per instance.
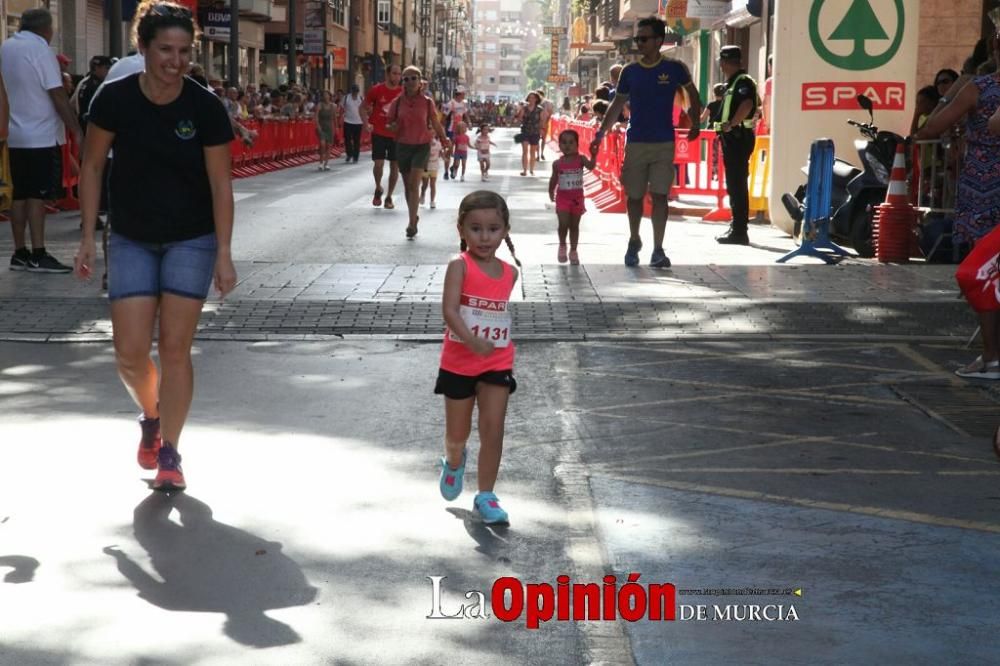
[[604, 186], [283, 143]]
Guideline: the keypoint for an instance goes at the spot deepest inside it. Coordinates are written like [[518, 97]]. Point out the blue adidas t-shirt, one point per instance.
[[651, 90]]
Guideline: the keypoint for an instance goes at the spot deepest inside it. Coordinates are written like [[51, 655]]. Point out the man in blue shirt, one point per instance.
[[649, 86]]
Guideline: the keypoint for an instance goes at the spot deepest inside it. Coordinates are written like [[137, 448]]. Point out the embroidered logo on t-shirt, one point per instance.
[[663, 79], [185, 130]]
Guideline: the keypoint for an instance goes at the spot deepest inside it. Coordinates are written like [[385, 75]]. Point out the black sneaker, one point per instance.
[[19, 260], [46, 263], [733, 237]]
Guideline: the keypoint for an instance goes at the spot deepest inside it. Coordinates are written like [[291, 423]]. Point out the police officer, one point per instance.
[[739, 105]]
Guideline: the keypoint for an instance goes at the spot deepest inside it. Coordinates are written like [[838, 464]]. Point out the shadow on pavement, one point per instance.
[[491, 540], [22, 568], [208, 566]]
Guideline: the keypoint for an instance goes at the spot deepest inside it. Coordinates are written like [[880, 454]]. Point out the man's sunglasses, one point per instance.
[[642, 39], [407, 79], [170, 10]]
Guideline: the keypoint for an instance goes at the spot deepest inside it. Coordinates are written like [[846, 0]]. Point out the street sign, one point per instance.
[[313, 42], [554, 30], [559, 78], [215, 24]]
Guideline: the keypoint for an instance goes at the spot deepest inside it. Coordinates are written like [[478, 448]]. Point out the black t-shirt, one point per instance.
[[159, 185], [87, 89]]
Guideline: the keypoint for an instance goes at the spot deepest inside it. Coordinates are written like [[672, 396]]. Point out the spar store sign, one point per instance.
[[843, 96], [855, 39]]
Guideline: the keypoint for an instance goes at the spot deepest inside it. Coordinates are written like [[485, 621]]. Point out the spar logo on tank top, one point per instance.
[[185, 130]]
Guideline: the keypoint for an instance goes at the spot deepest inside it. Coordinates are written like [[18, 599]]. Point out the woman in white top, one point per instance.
[[353, 124]]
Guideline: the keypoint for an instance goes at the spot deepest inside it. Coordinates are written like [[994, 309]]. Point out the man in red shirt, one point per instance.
[[373, 113]]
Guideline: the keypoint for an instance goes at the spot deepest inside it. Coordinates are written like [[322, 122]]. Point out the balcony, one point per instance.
[[637, 9], [257, 10]]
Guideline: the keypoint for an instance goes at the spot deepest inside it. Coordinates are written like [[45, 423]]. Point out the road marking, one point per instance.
[[240, 196], [874, 511]]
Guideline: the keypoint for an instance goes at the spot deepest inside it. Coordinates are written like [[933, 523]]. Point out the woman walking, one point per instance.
[[413, 118], [530, 117], [325, 114], [172, 220]]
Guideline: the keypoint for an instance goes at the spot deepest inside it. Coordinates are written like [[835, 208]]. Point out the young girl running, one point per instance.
[[483, 144], [431, 172], [461, 150], [566, 190], [478, 356]]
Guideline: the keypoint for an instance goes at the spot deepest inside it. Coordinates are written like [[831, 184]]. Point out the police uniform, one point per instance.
[[737, 146]]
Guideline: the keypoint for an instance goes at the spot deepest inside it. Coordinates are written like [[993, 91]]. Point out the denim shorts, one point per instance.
[[183, 268]]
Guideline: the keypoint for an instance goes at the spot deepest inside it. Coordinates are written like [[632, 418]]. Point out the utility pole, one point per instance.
[[291, 41], [392, 17], [375, 55], [405, 35], [234, 43], [115, 28]]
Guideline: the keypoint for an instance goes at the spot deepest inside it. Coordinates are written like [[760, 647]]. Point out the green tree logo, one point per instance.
[[859, 25]]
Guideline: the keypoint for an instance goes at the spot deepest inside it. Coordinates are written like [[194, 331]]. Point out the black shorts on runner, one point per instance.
[[460, 387], [36, 173], [383, 148], [412, 156]]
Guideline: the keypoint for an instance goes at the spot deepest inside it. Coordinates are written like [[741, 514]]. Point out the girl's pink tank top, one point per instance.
[[484, 308]]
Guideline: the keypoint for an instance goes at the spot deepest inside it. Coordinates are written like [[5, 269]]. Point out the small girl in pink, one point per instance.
[[566, 190], [461, 152], [477, 357]]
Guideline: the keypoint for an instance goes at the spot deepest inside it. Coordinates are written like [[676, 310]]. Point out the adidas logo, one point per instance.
[[663, 79]]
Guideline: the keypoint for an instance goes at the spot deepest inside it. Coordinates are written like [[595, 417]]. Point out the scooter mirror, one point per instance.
[[865, 103]]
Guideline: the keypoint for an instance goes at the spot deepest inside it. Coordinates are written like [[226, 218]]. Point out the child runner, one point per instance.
[[478, 356], [566, 190], [483, 144], [461, 150], [431, 172]]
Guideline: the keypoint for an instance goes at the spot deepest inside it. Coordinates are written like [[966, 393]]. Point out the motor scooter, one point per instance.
[[855, 192]]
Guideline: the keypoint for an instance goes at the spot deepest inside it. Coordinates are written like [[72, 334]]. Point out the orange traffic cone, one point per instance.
[[895, 220]]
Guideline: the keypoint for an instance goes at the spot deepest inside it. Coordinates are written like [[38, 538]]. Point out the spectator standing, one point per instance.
[[39, 115], [373, 112], [353, 124], [977, 204], [99, 67], [736, 135], [649, 86]]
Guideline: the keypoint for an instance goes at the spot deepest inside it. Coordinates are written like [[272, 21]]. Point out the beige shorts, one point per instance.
[[648, 166]]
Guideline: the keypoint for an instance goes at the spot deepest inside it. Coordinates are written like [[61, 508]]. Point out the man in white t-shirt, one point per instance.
[[40, 112]]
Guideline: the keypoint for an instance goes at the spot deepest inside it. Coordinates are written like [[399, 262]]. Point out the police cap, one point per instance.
[[731, 53]]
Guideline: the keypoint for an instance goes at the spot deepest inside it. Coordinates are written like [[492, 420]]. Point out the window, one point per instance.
[[491, 47], [337, 8], [504, 52], [491, 15], [383, 12]]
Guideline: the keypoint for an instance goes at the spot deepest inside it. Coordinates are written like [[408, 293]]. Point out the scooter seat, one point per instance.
[[846, 170]]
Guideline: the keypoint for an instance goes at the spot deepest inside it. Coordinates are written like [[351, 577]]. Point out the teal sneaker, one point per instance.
[[488, 507], [451, 479]]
